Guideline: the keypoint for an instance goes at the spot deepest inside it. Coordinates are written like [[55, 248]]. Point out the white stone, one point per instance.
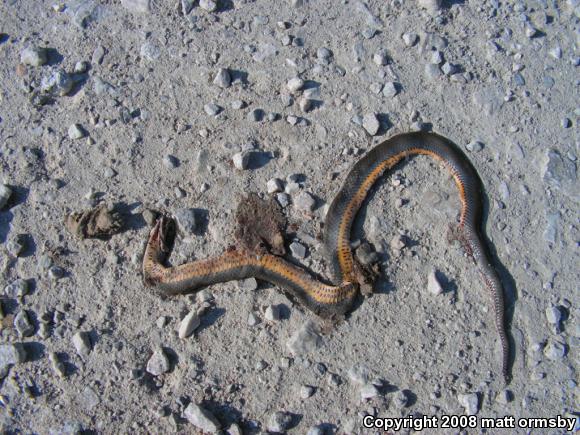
[[158, 363], [371, 123], [201, 418], [137, 6], [82, 343], [33, 56], [470, 402], [75, 131], [274, 185], [189, 324], [241, 160], [433, 284], [208, 5], [222, 78], [295, 84]]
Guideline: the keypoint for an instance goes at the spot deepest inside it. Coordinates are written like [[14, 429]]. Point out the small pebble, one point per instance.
[[249, 284], [305, 202], [381, 57], [432, 71], [474, 146], [16, 289], [189, 324], [57, 365], [400, 399], [222, 78], [566, 123], [430, 5], [470, 402], [556, 52], [555, 350], [82, 343], [11, 354], [255, 115], [5, 194], [34, 56], [241, 160], [283, 199], [238, 104], [295, 84], [279, 422], [274, 185], [448, 69], [410, 39], [306, 104], [253, 319], [298, 250], [75, 131], [397, 243], [433, 284], [212, 109], [306, 391], [186, 219], [504, 397], [272, 313], [23, 325], [158, 363], [56, 82], [201, 418], [553, 314], [371, 124], [208, 5], [305, 340], [390, 90], [436, 57]]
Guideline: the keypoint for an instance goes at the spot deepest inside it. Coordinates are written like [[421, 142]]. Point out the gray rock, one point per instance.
[[150, 51], [371, 123], [390, 90], [158, 363], [187, 221], [381, 57], [397, 243], [75, 131], [5, 194], [474, 146], [16, 288], [279, 422], [255, 115], [98, 55], [306, 391], [470, 402], [368, 391], [212, 109], [504, 397], [170, 162], [208, 5], [410, 39], [448, 69], [10, 354], [201, 418], [274, 185], [323, 53], [560, 173], [368, 33], [237, 104], [250, 284], [433, 284], [553, 315], [304, 340], [82, 343], [283, 199], [187, 6], [34, 56], [241, 160], [57, 365], [292, 188], [89, 398], [16, 245], [56, 82], [253, 319], [137, 6], [436, 57], [295, 84], [305, 202], [23, 324], [188, 324], [555, 350], [566, 123], [55, 272], [222, 78], [359, 374], [376, 88], [298, 250], [272, 313], [432, 71], [430, 5]]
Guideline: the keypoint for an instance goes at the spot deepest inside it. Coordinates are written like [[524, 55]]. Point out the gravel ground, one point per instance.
[[185, 106]]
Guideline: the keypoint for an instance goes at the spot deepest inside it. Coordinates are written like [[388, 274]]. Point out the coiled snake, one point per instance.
[[334, 300]]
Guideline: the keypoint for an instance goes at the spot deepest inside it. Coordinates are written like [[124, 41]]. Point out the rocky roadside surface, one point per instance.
[[184, 106]]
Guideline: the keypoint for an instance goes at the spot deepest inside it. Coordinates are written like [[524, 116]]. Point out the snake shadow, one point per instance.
[[510, 290]]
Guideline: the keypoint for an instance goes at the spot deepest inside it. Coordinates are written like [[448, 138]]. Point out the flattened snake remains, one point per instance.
[[335, 299]]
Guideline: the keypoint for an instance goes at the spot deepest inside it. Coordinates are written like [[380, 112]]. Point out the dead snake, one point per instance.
[[333, 301]]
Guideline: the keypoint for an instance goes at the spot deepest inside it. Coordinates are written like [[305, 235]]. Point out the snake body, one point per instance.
[[333, 300]]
